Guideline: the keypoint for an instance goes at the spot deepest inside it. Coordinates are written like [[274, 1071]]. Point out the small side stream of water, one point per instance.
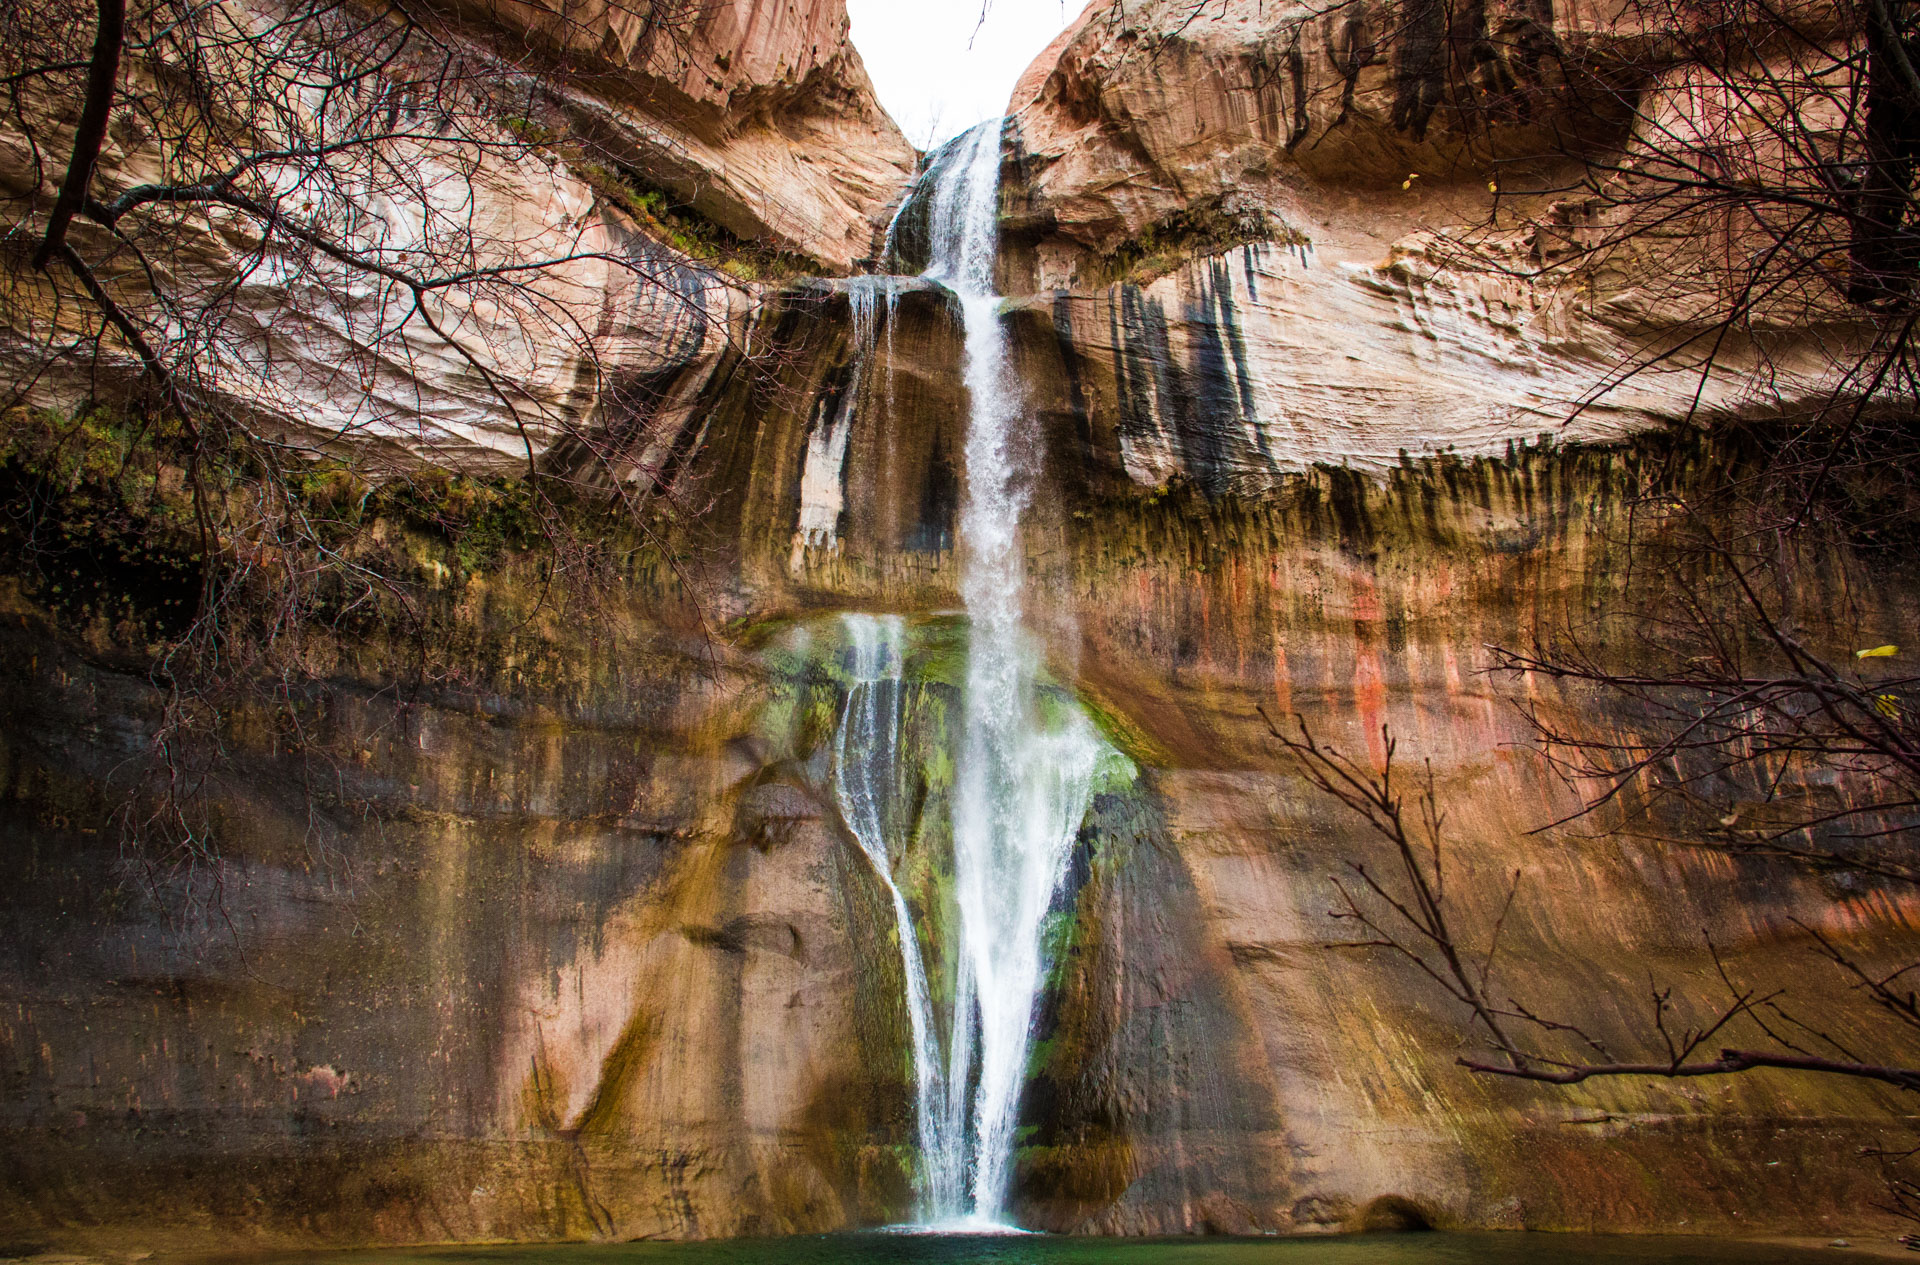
[[872, 777]]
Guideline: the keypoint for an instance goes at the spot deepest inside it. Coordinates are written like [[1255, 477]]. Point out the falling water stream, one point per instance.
[[870, 770], [1026, 762], [1024, 778], [821, 496]]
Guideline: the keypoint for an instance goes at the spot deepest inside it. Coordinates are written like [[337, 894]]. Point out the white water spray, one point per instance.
[[1026, 772], [1026, 761]]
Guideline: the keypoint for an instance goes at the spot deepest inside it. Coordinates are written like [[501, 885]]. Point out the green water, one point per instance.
[[906, 1249]]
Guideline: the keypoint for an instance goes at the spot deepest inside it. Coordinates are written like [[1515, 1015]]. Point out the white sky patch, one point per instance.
[[938, 69]]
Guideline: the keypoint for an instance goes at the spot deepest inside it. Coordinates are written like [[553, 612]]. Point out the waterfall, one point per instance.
[[822, 472], [1025, 772], [1026, 760]]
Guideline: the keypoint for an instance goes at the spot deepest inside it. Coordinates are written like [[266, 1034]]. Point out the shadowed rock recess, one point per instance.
[[570, 937]]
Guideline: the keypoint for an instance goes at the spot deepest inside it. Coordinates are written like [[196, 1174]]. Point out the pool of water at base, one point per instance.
[[942, 1249]]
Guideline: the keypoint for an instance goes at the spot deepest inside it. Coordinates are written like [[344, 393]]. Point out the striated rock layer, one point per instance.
[[1279, 224], [755, 116]]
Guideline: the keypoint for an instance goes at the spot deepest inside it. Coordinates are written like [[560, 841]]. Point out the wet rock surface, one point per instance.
[[576, 949]]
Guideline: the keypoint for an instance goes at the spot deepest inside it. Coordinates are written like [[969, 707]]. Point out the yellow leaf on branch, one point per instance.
[[1878, 652]]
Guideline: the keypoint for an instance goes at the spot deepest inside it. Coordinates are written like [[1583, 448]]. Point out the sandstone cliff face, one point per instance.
[[759, 112], [540, 967], [1284, 195], [1149, 109], [1213, 1063], [565, 938], [577, 944], [758, 116]]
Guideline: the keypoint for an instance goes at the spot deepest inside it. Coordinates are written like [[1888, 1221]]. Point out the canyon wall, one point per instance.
[[577, 156], [569, 940], [539, 920]]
